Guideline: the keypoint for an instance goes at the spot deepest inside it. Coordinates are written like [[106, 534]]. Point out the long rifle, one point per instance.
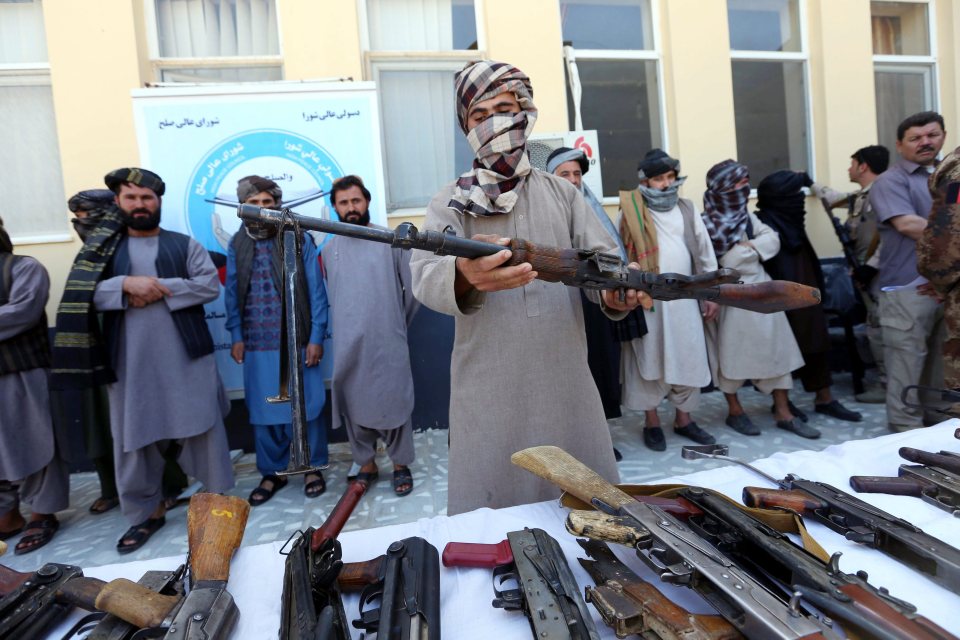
[[847, 243], [581, 268]]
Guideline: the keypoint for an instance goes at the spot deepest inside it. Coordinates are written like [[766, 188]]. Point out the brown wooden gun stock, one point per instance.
[[762, 498], [215, 525], [339, 515]]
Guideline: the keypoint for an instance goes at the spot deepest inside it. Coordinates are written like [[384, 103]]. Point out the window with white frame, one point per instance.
[[214, 40], [904, 64], [770, 86], [613, 82], [34, 207], [413, 50]]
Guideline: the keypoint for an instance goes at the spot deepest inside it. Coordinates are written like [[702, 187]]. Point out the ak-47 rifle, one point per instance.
[[535, 562], [311, 604], [935, 480], [630, 605], [573, 267], [679, 556], [30, 606], [851, 517], [847, 243], [942, 401], [811, 584], [406, 580], [215, 525]]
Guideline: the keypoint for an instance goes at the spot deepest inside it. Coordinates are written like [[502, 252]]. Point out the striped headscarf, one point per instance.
[[725, 205], [501, 164]]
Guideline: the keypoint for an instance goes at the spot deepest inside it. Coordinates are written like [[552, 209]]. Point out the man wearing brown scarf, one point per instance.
[[519, 374]]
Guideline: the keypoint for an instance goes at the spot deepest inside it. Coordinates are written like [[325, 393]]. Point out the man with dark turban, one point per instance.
[[89, 207], [938, 257], [254, 303], [780, 201], [663, 233], [519, 374], [744, 345], [31, 466], [155, 351]]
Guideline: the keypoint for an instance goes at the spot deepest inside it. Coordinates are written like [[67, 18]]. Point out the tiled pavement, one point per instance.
[[87, 540]]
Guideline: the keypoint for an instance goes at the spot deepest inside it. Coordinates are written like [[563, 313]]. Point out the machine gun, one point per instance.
[[935, 480], [311, 604], [630, 605], [406, 581], [573, 267], [851, 517], [215, 525], [847, 243], [679, 556], [546, 592]]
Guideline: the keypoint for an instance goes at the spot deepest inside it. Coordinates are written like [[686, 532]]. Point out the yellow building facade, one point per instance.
[[797, 84]]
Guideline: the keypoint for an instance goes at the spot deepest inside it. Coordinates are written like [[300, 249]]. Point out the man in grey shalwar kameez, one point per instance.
[[519, 374], [371, 304], [168, 391], [31, 467]]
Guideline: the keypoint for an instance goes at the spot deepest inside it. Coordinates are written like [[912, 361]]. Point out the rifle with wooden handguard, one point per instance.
[[849, 516], [573, 267], [677, 555], [406, 581], [546, 592], [817, 587], [311, 604], [935, 480], [215, 525], [630, 605]]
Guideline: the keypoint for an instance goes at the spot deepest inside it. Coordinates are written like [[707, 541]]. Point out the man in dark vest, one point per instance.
[[166, 392], [31, 468]]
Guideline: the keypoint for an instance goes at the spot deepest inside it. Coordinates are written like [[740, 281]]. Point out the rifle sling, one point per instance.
[[782, 520]]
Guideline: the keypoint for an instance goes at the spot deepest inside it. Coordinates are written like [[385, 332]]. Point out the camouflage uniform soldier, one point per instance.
[[938, 257]]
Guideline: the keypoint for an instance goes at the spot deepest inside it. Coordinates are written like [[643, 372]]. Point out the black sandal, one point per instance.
[[261, 494], [315, 488], [367, 477], [44, 530], [139, 533], [402, 481]]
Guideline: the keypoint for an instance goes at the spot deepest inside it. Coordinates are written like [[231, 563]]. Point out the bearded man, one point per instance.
[[664, 234], [519, 373], [254, 303], [372, 305], [156, 351]]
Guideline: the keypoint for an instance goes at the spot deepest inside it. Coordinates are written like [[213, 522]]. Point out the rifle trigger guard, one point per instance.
[[511, 599]]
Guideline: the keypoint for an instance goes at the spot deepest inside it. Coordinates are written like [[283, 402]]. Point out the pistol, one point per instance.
[[547, 592], [406, 581]]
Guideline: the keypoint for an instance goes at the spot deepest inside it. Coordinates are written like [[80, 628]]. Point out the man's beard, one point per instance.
[[151, 222], [353, 217]]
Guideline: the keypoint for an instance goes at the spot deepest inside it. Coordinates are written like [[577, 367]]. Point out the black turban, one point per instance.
[[90, 199], [133, 175], [6, 246], [657, 162], [252, 185]]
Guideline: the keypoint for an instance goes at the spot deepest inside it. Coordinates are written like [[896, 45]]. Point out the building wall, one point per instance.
[[98, 57]]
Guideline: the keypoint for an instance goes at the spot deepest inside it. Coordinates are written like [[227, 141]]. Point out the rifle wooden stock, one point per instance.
[[133, 603], [600, 526], [215, 527], [338, 517], [571, 475], [892, 485], [356, 575], [11, 580], [768, 297], [763, 498]]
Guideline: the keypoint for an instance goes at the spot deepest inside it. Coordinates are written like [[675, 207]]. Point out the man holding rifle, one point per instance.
[[866, 165], [519, 372]]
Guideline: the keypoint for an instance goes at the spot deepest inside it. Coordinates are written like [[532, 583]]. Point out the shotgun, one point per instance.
[[573, 267], [677, 555]]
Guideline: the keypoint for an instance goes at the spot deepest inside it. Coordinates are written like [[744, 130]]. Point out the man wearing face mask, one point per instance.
[[155, 350], [372, 305], [663, 233], [254, 303], [88, 208], [519, 373]]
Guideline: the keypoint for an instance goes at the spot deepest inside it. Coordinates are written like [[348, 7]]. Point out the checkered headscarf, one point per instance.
[[501, 164], [725, 206]]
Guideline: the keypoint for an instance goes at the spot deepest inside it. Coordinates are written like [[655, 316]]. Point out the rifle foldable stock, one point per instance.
[[546, 592], [573, 267], [678, 555], [311, 605]]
